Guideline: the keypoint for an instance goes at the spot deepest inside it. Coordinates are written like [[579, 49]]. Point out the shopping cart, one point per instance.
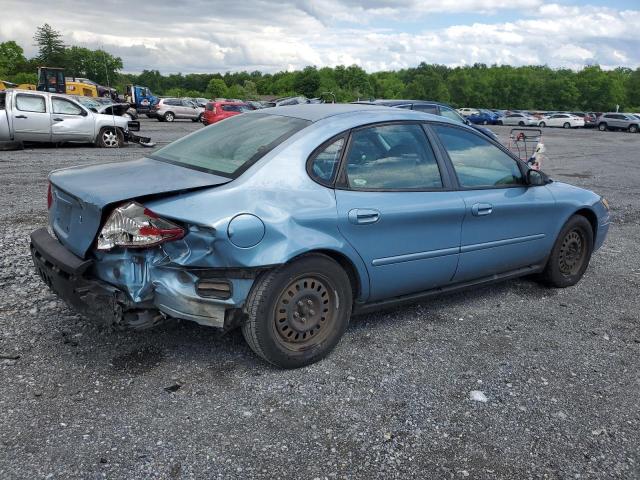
[[527, 144]]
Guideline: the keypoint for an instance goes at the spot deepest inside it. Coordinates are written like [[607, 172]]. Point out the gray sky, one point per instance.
[[214, 36]]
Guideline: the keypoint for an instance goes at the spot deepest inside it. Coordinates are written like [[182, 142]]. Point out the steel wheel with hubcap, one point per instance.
[[571, 253], [304, 312], [298, 312]]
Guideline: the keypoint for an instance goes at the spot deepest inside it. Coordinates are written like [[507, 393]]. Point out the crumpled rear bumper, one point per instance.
[[133, 283], [63, 273]]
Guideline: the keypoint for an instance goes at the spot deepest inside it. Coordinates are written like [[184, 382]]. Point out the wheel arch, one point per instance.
[[355, 277], [591, 216]]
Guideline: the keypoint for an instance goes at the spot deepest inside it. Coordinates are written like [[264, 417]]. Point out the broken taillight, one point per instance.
[[134, 226]]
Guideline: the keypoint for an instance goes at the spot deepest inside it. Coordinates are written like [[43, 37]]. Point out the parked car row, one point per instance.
[[576, 119]]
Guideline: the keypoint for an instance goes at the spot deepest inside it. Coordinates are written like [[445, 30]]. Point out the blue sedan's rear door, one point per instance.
[[395, 210]]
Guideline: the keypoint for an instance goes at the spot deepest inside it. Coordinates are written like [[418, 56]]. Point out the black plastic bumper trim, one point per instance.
[[51, 250]]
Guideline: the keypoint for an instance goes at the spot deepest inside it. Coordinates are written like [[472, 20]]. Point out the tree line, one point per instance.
[[479, 85]]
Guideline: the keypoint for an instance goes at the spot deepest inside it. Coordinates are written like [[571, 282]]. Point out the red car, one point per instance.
[[216, 111]]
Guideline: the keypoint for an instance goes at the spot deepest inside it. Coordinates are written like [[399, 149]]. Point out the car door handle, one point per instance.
[[58, 119], [21, 116], [480, 209], [363, 216]]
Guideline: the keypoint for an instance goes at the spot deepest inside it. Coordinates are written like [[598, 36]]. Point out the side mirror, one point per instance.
[[536, 178]]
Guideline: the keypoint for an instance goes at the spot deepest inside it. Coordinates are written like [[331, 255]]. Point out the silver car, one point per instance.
[[170, 109], [520, 119], [33, 116], [618, 121]]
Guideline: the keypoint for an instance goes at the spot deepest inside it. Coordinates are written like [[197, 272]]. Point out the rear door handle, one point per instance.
[[362, 216], [58, 119], [21, 116], [480, 209]]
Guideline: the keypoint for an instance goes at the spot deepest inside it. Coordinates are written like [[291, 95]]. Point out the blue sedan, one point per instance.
[[484, 117], [286, 222]]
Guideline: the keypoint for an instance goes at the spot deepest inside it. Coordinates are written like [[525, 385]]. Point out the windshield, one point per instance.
[[231, 146], [87, 102]]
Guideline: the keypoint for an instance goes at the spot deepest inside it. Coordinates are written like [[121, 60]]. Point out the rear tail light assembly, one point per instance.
[[132, 225]]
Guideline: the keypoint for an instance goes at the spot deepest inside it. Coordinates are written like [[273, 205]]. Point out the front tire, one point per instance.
[[570, 255], [110, 137], [542, 125], [633, 128], [297, 313], [521, 123]]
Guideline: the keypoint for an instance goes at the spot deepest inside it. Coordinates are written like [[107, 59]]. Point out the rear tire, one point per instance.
[[169, 117], [566, 125], [602, 127], [570, 255], [542, 125], [298, 312], [500, 122], [110, 137]]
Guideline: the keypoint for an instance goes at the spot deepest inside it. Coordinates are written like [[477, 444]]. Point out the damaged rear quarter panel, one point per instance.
[[299, 215]]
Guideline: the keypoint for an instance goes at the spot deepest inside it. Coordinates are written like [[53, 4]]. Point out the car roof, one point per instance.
[[319, 111]]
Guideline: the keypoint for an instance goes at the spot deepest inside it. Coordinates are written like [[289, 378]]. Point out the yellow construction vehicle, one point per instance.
[[52, 79]]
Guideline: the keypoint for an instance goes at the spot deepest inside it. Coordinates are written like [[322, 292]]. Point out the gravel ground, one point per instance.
[[511, 381]]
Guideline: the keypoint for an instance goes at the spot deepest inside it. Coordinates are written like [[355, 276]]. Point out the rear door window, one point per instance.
[[392, 157], [31, 103]]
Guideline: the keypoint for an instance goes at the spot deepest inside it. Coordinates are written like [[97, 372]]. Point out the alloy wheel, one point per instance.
[[110, 139]]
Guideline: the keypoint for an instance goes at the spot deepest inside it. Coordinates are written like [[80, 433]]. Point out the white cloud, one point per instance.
[[209, 36]]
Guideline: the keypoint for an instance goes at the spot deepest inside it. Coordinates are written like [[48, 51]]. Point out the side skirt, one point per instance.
[[361, 308]]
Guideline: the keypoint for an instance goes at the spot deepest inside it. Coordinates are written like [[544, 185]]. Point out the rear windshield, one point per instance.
[[231, 146]]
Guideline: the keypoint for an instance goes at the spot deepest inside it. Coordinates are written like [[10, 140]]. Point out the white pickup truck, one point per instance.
[[33, 116]]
